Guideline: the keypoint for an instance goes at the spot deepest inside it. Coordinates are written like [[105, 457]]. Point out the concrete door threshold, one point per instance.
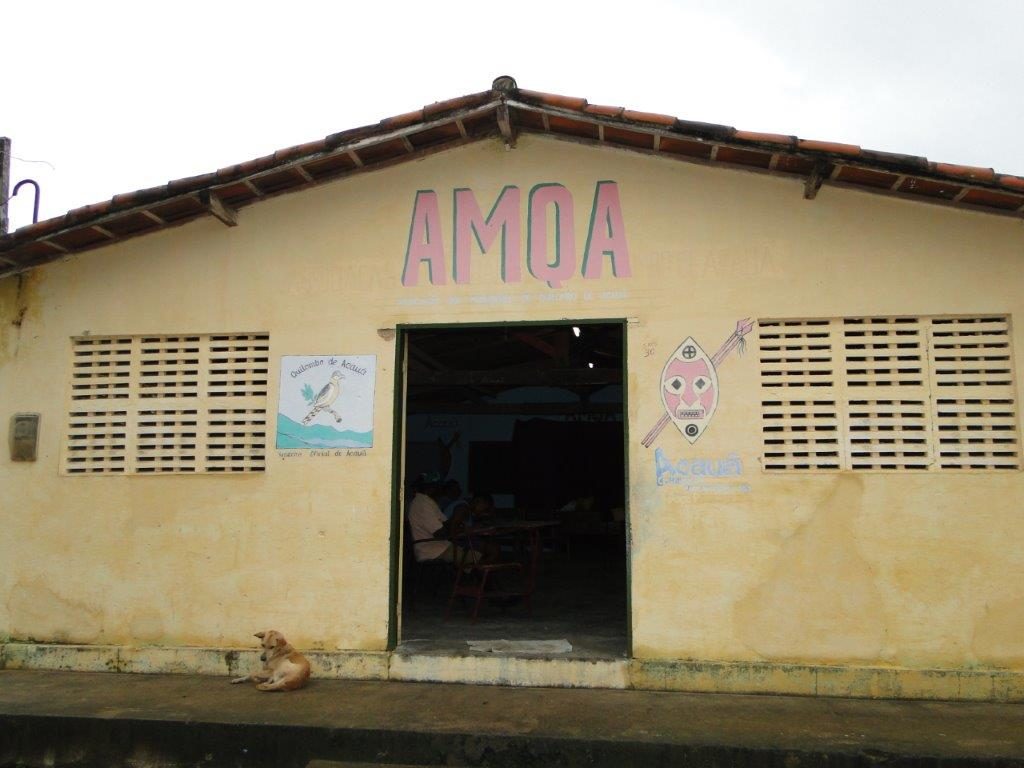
[[509, 669]]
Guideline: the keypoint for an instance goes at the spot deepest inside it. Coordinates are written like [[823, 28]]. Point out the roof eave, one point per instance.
[[505, 111]]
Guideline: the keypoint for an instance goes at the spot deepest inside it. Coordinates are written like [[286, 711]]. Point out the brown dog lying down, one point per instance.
[[285, 669]]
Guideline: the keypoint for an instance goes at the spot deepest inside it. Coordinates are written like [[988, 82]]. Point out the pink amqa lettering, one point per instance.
[[563, 266], [607, 235], [550, 221], [425, 241], [503, 219]]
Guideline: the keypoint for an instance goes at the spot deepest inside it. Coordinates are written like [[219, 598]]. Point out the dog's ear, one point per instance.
[[260, 635]]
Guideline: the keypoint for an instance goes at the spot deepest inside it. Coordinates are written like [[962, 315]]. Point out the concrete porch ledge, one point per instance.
[[492, 669], [862, 682], [352, 665], [511, 670], [85, 719]]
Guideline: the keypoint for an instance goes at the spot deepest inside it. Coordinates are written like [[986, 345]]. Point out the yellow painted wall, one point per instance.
[[859, 568]]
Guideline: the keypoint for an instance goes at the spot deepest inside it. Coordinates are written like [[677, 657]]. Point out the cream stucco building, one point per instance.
[[820, 464]]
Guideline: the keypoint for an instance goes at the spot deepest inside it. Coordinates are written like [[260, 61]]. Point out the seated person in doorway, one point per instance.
[[481, 508], [426, 521], [451, 497]]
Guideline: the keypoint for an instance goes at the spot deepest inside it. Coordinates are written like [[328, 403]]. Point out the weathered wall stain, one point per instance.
[[146, 625], [9, 312], [36, 610], [820, 590], [19, 305], [998, 633]]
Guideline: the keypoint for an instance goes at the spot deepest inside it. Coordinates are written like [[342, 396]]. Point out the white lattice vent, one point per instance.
[[971, 351], [239, 365], [800, 434], [914, 393], [888, 434], [977, 433], [101, 368], [96, 442], [167, 441], [884, 351], [186, 404], [795, 353], [169, 366], [235, 440]]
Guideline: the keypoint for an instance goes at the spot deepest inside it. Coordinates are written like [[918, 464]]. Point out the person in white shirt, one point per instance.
[[431, 531]]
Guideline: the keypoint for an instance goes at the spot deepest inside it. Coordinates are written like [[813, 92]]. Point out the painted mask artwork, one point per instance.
[[690, 389], [689, 385]]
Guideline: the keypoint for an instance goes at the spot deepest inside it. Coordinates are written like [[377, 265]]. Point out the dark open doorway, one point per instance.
[[532, 416]]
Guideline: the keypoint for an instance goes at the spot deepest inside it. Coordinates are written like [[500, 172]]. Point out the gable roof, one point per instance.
[[505, 110]]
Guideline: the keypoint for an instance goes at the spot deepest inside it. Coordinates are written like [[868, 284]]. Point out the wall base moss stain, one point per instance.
[[849, 681], [39, 610], [998, 633]]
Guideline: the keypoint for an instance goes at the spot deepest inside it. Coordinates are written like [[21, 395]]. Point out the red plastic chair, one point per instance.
[[471, 580]]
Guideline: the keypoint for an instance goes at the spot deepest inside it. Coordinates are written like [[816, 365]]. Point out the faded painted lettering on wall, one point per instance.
[[552, 256]]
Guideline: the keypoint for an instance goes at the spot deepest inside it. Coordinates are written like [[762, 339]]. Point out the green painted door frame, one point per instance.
[[397, 469]]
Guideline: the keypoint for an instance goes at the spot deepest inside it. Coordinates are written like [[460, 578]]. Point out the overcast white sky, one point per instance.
[[118, 96]]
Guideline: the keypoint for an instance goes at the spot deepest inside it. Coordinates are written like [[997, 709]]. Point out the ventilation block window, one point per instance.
[[888, 393], [168, 404]]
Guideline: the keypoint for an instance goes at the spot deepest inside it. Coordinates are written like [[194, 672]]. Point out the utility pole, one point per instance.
[[5, 181]]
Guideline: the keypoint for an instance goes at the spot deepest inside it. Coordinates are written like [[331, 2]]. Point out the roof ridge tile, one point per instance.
[[964, 171], [649, 117], [459, 102], [766, 138], [829, 147], [573, 103], [603, 111]]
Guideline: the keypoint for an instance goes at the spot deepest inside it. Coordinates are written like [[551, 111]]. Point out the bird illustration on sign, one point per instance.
[[689, 385], [325, 399]]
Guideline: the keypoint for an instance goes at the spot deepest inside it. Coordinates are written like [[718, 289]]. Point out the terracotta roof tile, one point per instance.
[[41, 228], [299, 150], [894, 158], [229, 171], [189, 183], [554, 100], [138, 197], [350, 135], [257, 165], [597, 109], [649, 117], [833, 148], [400, 121], [705, 130], [461, 102], [965, 171], [88, 211], [1014, 182], [766, 138]]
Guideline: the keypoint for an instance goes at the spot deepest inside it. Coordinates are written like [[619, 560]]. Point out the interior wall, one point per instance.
[[430, 435]]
